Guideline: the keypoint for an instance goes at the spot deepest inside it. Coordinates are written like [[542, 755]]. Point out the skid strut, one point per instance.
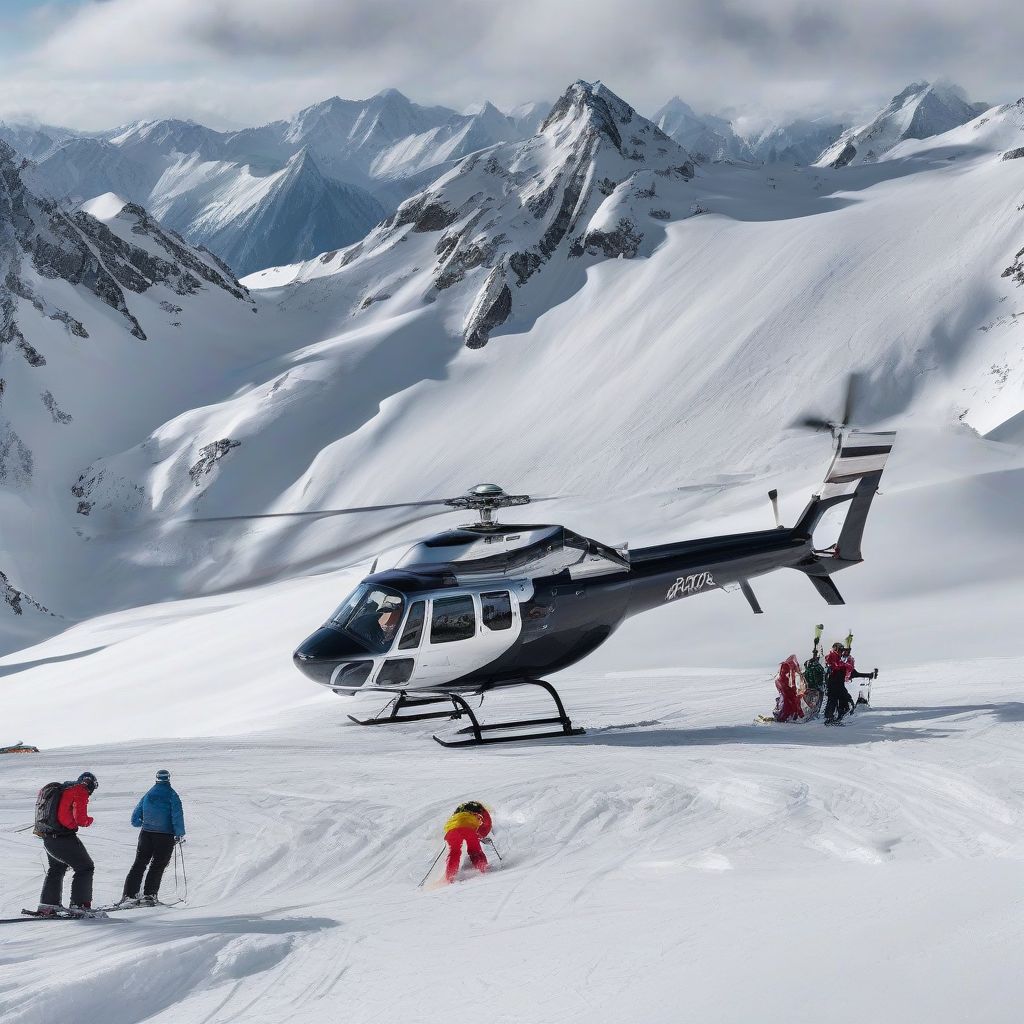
[[403, 700], [474, 732]]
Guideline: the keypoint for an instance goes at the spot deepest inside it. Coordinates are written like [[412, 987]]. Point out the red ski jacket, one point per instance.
[[73, 809], [835, 662]]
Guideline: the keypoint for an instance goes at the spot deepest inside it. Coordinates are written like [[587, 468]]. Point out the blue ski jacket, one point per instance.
[[160, 811]]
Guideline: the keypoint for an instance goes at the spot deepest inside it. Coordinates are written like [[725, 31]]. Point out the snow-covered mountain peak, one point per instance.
[[706, 138], [597, 181], [919, 111], [588, 107], [104, 207]]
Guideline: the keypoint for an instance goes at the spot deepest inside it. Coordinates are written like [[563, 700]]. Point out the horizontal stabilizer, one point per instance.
[[828, 590]]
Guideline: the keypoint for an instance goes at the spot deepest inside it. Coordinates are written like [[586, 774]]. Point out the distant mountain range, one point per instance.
[[274, 194], [320, 180]]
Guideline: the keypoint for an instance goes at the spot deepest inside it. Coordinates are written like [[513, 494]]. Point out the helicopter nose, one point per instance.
[[321, 652]]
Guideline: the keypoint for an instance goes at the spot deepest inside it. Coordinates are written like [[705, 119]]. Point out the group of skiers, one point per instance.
[[62, 808], [803, 690]]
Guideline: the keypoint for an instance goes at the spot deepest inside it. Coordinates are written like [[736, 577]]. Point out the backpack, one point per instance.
[[814, 673], [47, 802]]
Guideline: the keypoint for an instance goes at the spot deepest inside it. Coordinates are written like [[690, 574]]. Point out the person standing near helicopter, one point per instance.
[[836, 673]]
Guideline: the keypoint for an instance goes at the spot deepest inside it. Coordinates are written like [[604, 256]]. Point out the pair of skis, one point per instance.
[[93, 914]]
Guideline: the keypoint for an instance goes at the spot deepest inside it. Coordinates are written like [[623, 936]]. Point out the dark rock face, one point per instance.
[[16, 463], [1014, 154], [209, 456], [492, 308], [624, 240], [77, 248], [848, 153], [1015, 271], [17, 599], [54, 410]]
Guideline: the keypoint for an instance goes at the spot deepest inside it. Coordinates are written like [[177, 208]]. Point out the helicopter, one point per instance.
[[490, 606]]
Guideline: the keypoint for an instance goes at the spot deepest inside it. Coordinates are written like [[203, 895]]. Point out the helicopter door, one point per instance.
[[466, 633], [452, 628], [400, 666]]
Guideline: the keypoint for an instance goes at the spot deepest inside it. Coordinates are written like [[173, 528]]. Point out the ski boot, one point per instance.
[[149, 901], [85, 910], [50, 910]]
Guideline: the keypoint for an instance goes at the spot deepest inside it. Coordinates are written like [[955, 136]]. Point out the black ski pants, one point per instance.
[[63, 852], [838, 697], [154, 851]]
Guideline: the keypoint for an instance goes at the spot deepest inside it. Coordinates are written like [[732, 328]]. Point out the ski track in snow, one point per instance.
[[688, 863]]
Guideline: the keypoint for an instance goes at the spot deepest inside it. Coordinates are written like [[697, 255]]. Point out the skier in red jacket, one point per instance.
[[65, 850], [787, 682]]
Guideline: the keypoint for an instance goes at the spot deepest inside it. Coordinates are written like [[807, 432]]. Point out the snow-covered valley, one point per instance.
[[583, 312]]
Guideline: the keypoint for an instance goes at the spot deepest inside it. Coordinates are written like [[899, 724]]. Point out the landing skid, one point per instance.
[[474, 733], [477, 737], [403, 700]]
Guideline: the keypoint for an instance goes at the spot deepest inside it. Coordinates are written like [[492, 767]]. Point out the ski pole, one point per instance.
[[490, 843], [431, 868]]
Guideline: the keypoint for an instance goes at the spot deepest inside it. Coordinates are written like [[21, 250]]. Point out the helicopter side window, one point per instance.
[[371, 615], [453, 618], [413, 627], [497, 610]]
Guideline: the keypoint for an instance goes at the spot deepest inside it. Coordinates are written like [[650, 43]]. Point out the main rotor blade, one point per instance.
[[813, 423], [318, 513]]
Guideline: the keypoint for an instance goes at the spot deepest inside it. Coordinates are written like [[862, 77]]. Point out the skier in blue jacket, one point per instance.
[[160, 817]]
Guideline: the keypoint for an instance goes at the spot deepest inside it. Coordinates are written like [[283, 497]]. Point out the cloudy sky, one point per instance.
[[96, 63]]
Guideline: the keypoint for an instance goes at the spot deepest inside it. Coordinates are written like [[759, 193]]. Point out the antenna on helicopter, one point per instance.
[[773, 497]]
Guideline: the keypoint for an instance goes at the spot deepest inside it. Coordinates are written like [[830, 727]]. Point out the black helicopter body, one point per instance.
[[493, 605]]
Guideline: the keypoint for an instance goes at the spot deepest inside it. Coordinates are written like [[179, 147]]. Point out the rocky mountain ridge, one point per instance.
[[597, 181]]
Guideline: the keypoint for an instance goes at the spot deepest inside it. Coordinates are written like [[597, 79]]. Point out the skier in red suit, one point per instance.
[[789, 708], [470, 823]]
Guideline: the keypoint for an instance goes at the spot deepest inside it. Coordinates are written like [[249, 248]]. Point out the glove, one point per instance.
[[875, 675], [179, 840]]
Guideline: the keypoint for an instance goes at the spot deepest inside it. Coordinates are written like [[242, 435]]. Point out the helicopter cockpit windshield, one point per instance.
[[371, 614]]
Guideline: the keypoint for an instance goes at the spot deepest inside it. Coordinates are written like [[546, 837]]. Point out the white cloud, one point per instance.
[[246, 61]]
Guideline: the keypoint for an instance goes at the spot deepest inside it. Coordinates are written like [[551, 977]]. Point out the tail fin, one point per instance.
[[852, 477]]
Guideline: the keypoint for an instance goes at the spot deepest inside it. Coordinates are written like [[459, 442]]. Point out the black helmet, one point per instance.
[[90, 781], [473, 806]]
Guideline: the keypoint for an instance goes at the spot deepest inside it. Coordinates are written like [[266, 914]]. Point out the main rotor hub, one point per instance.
[[485, 498]]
